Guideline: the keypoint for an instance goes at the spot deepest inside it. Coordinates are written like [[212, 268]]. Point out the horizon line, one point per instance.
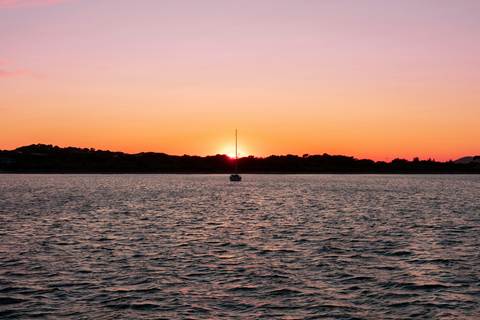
[[305, 155]]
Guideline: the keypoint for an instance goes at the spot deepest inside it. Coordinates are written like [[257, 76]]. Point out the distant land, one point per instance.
[[41, 158], [467, 160]]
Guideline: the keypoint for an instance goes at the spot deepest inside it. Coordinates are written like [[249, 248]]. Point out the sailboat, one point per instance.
[[235, 176]]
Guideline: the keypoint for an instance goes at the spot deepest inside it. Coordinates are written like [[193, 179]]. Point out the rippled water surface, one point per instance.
[[269, 247]]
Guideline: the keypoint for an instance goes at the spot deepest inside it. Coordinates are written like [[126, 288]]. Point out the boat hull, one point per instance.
[[235, 177]]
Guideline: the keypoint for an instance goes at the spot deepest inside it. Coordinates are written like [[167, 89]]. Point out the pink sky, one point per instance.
[[369, 79], [28, 3]]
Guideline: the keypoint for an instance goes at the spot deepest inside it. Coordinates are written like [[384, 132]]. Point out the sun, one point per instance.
[[230, 152]]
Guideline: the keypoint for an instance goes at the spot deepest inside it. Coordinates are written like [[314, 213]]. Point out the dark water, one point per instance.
[[269, 247]]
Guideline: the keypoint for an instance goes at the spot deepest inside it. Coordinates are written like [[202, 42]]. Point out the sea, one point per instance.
[[134, 246]]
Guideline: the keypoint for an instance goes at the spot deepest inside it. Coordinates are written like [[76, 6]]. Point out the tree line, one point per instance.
[[41, 158]]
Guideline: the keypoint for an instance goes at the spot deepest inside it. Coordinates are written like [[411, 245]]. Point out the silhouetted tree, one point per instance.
[[49, 158]]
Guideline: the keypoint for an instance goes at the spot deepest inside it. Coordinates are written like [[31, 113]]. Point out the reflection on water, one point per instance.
[[274, 247]]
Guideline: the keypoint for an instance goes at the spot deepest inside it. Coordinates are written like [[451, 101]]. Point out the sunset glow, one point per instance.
[[370, 79]]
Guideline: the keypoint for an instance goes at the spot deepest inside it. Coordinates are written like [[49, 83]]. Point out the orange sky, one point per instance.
[[369, 79]]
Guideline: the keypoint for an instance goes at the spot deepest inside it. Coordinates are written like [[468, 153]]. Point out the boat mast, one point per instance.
[[235, 176], [236, 154]]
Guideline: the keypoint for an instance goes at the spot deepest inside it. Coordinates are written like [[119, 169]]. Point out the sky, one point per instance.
[[372, 79]]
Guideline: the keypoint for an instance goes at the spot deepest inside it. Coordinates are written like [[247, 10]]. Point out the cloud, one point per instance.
[[28, 3], [6, 74], [20, 73]]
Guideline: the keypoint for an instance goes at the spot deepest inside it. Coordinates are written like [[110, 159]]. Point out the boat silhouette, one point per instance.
[[235, 176]]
